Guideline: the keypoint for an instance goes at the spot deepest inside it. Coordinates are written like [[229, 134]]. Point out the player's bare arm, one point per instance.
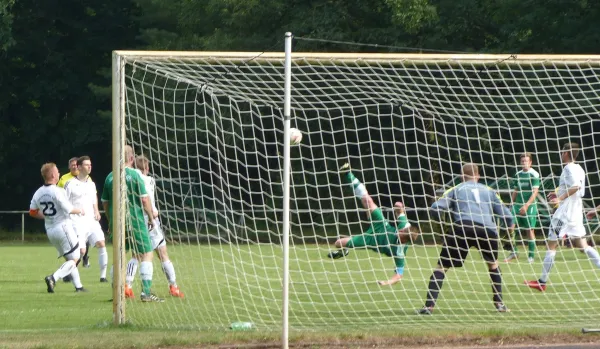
[[105, 205], [525, 207], [148, 209], [593, 212]]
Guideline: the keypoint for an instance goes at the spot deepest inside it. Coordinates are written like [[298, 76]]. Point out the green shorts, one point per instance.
[[528, 221], [381, 236], [138, 241]]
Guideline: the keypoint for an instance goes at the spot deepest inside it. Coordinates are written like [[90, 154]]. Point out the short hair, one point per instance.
[[81, 159], [128, 152], [72, 159], [470, 169], [46, 169], [527, 155], [141, 162], [573, 149]]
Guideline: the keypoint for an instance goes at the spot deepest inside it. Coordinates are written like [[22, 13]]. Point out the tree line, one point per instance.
[[55, 55]]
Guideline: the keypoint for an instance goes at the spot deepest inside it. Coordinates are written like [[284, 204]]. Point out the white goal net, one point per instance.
[[211, 125]]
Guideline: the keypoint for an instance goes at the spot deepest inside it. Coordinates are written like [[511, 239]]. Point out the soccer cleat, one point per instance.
[[147, 298], [536, 284], [81, 289], [501, 308], [175, 292], [50, 283], [103, 280], [510, 257], [67, 278], [425, 311], [338, 253], [86, 261], [530, 260], [344, 168], [129, 292]]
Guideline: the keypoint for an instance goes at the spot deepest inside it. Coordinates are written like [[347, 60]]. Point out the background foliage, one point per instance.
[[55, 55]]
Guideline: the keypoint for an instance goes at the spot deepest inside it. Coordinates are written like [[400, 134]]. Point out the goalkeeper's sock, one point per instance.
[[496, 277], [531, 247], [131, 270], [169, 272], [593, 255], [435, 285], [102, 261], [146, 275], [547, 265]]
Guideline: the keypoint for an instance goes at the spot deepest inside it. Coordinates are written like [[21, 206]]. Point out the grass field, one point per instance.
[[330, 301]]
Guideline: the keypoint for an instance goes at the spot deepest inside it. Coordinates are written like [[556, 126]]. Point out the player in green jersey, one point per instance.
[[381, 236], [137, 237], [525, 185]]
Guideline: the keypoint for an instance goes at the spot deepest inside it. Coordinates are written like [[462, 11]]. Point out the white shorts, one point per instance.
[[63, 238], [156, 235], [560, 229], [88, 231]]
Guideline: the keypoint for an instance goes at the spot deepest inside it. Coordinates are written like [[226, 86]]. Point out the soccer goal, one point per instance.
[[405, 123]]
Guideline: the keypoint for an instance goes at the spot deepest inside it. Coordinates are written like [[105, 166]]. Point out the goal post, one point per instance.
[[406, 123]]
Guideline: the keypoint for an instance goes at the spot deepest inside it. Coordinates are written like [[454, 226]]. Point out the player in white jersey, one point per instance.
[[81, 191], [567, 220], [50, 203], [156, 235]]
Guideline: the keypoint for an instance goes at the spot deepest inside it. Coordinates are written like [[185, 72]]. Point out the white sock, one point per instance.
[[65, 269], [169, 272], [593, 255], [131, 270], [146, 270], [359, 189], [76, 279], [548, 262], [102, 261]]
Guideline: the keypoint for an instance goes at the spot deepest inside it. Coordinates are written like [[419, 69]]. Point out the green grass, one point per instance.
[[329, 300]]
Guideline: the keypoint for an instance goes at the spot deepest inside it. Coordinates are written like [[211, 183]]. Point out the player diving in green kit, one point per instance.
[[381, 236]]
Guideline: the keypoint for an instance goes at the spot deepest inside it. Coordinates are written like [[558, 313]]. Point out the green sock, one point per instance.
[[146, 286], [350, 177], [531, 245]]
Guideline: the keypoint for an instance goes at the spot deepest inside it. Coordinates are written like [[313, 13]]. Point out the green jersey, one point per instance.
[[136, 189], [524, 182]]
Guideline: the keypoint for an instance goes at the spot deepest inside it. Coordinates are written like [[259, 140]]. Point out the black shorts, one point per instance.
[[464, 236]]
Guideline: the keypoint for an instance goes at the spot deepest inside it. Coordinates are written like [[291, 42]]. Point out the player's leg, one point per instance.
[[86, 257], [555, 234], [581, 243], [453, 253], [143, 248], [130, 271], [343, 251], [358, 188], [512, 244], [64, 239], [96, 238], [168, 269], [487, 244], [531, 246]]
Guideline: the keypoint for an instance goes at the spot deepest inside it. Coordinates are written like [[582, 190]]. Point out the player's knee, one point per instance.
[[100, 244]]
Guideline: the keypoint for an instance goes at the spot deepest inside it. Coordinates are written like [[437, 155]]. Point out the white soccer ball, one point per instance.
[[295, 136]]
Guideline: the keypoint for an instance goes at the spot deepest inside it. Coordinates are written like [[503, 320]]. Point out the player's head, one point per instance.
[[73, 166], [470, 172], [84, 165], [569, 153], [50, 173], [129, 156], [408, 234], [526, 161], [142, 164]]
